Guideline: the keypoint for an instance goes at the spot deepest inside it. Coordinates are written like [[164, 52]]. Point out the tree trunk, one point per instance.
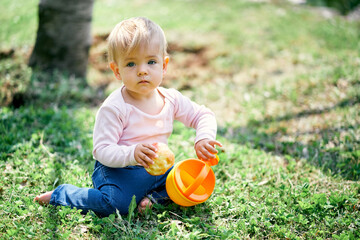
[[63, 37]]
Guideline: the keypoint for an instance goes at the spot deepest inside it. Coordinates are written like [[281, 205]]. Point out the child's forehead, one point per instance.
[[146, 48]]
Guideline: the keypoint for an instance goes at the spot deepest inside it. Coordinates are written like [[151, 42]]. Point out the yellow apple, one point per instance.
[[163, 162]]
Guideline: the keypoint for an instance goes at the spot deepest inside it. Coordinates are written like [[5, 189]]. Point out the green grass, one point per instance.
[[283, 82], [18, 24]]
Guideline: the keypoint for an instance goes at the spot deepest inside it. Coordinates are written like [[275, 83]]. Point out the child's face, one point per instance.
[[142, 70]]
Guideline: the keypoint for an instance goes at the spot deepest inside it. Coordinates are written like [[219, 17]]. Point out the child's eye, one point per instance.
[[152, 62], [130, 64]]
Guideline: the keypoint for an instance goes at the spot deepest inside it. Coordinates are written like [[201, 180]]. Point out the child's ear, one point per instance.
[[165, 64], [114, 67]]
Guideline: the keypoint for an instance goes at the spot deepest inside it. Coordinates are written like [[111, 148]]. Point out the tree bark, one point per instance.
[[63, 37]]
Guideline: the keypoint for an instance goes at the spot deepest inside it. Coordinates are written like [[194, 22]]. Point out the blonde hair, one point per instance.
[[129, 34]]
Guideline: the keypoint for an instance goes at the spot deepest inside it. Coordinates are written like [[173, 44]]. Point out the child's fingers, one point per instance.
[[211, 146], [142, 163], [144, 160], [211, 149], [149, 151], [206, 152], [150, 146], [209, 155], [214, 142], [201, 155]]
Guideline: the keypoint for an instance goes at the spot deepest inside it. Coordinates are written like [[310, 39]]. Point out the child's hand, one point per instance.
[[205, 149], [144, 153]]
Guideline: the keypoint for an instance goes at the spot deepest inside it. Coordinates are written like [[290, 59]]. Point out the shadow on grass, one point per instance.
[[41, 145], [50, 139], [336, 150], [344, 103]]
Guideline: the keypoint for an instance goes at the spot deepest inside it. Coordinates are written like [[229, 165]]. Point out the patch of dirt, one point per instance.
[[99, 71]]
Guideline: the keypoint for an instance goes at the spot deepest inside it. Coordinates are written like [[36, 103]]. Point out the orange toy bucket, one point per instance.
[[191, 181]]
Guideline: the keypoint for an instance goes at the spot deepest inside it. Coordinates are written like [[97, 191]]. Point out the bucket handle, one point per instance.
[[212, 162], [199, 179]]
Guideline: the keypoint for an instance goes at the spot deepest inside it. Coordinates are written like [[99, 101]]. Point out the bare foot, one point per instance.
[[44, 198], [145, 203]]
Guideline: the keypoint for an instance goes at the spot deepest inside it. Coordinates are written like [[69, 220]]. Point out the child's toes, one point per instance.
[[44, 198], [143, 204]]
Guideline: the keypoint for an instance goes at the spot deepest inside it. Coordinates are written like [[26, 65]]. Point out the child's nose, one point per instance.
[[142, 70], [142, 73]]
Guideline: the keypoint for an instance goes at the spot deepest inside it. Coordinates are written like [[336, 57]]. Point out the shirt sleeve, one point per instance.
[[199, 117], [107, 132]]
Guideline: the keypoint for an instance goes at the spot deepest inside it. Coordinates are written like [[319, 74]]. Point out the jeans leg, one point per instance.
[[121, 184], [159, 194], [82, 198], [113, 189]]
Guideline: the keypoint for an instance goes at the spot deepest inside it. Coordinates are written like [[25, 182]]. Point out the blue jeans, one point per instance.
[[113, 189]]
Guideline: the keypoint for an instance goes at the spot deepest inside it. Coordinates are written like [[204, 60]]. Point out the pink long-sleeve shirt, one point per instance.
[[120, 126]]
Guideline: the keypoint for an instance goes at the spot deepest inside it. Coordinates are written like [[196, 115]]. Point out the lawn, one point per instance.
[[283, 81]]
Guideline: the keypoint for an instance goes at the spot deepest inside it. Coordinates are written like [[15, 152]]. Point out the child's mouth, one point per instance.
[[144, 79]]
